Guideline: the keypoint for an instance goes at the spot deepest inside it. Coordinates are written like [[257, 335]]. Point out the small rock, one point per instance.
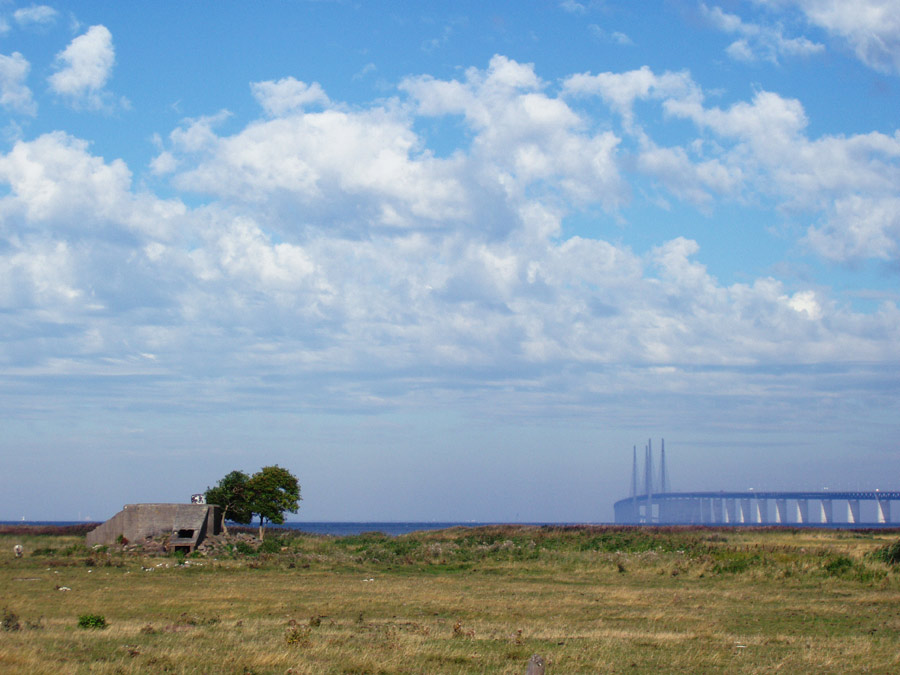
[[535, 665]]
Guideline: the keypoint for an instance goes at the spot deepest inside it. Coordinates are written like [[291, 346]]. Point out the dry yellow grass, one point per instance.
[[465, 601]]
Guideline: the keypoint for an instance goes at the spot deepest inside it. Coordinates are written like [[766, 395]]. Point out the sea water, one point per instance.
[[337, 529]]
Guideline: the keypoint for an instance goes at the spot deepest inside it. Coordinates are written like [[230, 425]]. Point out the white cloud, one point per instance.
[[39, 276], [805, 302], [689, 178], [357, 166], [573, 7], [761, 147], [870, 27], [615, 37], [758, 41], [336, 251], [35, 14], [523, 135], [84, 68], [358, 169], [851, 180], [857, 228], [54, 177], [621, 90], [14, 93], [771, 141], [163, 163], [366, 70], [770, 122], [287, 95]]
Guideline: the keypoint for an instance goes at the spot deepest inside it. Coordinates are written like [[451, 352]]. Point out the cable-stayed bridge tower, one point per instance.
[[655, 483]]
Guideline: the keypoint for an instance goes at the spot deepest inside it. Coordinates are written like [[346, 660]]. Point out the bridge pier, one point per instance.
[[730, 511], [884, 510], [827, 512], [781, 515], [802, 511], [852, 510]]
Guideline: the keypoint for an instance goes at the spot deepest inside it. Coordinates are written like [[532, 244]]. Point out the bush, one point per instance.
[[889, 554], [270, 545], [837, 566], [296, 635], [92, 621], [10, 621], [244, 548]]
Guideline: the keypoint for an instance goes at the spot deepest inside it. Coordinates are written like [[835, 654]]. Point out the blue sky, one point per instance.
[[446, 260]]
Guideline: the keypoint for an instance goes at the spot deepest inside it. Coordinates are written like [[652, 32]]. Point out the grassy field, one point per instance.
[[482, 600]]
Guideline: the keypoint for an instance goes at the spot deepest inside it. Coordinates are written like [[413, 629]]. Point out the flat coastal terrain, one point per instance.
[[462, 600]]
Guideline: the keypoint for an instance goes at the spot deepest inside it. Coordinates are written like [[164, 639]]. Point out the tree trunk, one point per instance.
[[262, 528]]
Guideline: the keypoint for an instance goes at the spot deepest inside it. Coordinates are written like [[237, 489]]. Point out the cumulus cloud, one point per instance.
[[352, 169], [857, 228], [336, 250], [757, 41], [83, 69], [349, 170], [523, 135], [621, 90], [14, 93], [54, 176], [35, 14], [870, 27], [845, 184], [287, 95]]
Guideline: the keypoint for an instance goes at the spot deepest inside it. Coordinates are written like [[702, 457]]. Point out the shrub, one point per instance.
[[270, 545], [734, 562], [10, 621], [889, 554], [92, 621], [244, 548], [838, 566], [296, 635]]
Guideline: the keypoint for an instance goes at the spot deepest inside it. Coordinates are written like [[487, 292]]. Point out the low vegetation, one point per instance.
[[462, 600]]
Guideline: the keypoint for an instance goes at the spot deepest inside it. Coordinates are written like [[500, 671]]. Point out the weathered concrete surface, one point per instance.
[[186, 525]]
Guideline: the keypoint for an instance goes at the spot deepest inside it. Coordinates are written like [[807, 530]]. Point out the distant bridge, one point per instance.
[[655, 503], [751, 507]]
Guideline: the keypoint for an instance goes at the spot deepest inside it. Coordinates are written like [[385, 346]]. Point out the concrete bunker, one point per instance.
[[186, 525]]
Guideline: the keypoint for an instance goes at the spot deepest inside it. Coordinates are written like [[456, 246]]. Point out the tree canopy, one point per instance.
[[232, 495], [267, 494]]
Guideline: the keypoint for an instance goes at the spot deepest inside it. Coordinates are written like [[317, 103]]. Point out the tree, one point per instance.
[[232, 494], [272, 491]]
